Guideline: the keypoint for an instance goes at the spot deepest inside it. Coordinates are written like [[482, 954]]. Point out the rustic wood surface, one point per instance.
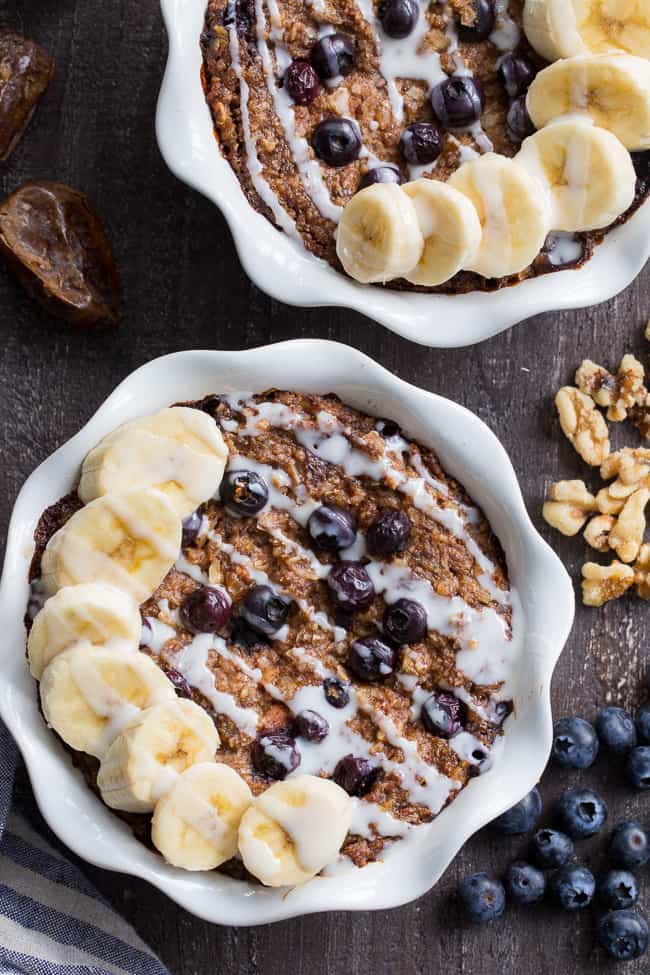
[[184, 289]]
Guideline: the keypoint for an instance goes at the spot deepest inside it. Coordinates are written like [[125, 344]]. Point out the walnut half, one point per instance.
[[583, 425], [568, 506], [600, 583]]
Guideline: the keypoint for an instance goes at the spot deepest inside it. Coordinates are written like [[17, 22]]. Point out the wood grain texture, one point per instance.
[[184, 289]]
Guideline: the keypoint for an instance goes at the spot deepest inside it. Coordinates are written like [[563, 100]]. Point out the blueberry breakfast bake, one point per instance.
[[447, 145], [275, 635]]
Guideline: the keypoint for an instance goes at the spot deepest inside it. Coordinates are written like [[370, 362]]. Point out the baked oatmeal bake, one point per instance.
[[431, 144], [275, 635]]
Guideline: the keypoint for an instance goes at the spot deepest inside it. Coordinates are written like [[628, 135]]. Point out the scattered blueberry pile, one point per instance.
[[550, 869]]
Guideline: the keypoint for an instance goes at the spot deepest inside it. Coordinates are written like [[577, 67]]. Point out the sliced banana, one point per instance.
[[145, 760], [89, 694], [613, 90], [294, 829], [562, 28], [90, 612], [451, 229], [513, 209], [589, 173], [378, 237], [195, 825], [129, 541], [179, 451]]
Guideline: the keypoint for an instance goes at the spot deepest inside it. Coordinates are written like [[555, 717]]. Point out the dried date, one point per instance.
[[25, 72]]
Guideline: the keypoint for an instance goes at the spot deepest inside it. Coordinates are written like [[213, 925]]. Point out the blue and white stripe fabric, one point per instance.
[[52, 920]]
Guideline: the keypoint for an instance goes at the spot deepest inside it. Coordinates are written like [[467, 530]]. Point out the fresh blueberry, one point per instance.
[[312, 726], [525, 884], [205, 610], [643, 722], [522, 817], [623, 934], [629, 846], [458, 102], [550, 848], [442, 714], [637, 767], [405, 621], [387, 428], [191, 528], [617, 889], [244, 492], [181, 685], [421, 143], [399, 17], [356, 775], [333, 55], [275, 754], [337, 692], [371, 659], [389, 533], [482, 897], [519, 123], [616, 730], [264, 610], [351, 586], [381, 174], [301, 81], [515, 73], [482, 23], [581, 812], [336, 141], [573, 886], [245, 636], [575, 743], [332, 528]]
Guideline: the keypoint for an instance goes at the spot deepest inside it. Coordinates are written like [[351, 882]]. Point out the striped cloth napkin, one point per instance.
[[52, 920]]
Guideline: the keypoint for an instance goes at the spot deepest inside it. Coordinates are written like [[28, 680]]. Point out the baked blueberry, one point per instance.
[[371, 659], [399, 17], [336, 141], [458, 102], [643, 722], [312, 726], [522, 817], [356, 775], [337, 692], [550, 848], [623, 935], [332, 528], [244, 492], [275, 754], [333, 55], [264, 610], [525, 884], [351, 586], [380, 174], [181, 685], [205, 610], [616, 730], [515, 73], [637, 767], [387, 428], [421, 143], [575, 743], [482, 23], [389, 533], [628, 845], [581, 812], [191, 528], [617, 889], [573, 886], [519, 123], [442, 714], [405, 621], [301, 81], [245, 636], [483, 898]]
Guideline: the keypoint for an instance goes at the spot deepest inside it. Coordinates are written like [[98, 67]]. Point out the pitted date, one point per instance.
[[54, 242], [25, 72]]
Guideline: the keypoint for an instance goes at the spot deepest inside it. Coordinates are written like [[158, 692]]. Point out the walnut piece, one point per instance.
[[647, 330], [631, 390], [597, 532], [600, 583], [568, 506], [627, 535], [583, 425], [596, 382], [642, 572]]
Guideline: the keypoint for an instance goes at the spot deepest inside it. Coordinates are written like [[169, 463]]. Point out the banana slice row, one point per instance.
[[563, 28]]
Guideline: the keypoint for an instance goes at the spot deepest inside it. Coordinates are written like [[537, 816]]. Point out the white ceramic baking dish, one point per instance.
[[471, 453], [279, 266]]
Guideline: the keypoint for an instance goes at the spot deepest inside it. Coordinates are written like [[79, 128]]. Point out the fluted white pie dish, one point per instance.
[[282, 268], [468, 451]]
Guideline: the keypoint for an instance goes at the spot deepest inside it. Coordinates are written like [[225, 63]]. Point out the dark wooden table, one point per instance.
[[184, 289]]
